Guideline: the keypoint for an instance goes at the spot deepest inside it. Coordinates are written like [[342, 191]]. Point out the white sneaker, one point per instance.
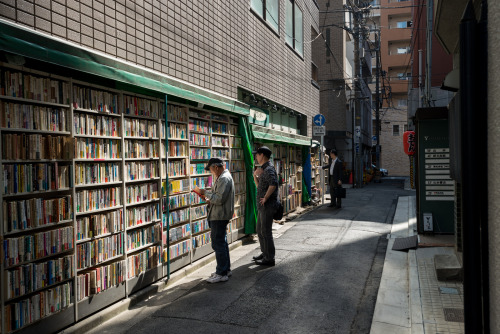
[[217, 278], [229, 274]]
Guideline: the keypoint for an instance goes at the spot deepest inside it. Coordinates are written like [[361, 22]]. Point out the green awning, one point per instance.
[[28, 43], [270, 135]]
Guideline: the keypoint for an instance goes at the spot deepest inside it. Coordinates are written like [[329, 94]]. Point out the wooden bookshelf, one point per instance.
[[37, 197], [114, 172]]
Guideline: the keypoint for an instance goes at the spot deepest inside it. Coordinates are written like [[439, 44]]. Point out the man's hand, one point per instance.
[[199, 191], [340, 183], [262, 201]]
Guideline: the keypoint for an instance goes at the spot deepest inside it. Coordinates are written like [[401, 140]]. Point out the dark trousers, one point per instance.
[[265, 231], [335, 200], [218, 235]]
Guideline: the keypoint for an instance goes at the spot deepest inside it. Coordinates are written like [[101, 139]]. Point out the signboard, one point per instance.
[[319, 120], [357, 131], [318, 130], [409, 144], [437, 168]]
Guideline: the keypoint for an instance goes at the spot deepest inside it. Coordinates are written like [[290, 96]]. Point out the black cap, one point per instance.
[[218, 162], [264, 150]]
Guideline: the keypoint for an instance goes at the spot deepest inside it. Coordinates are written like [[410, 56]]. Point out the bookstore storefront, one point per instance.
[[292, 159], [99, 159]]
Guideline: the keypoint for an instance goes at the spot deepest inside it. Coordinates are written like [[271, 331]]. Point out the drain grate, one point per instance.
[[454, 314], [403, 244], [448, 291]]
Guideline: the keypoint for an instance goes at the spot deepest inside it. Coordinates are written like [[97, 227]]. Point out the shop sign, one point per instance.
[[258, 116]]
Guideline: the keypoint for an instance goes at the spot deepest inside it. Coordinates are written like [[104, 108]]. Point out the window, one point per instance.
[[403, 24], [269, 10], [395, 130], [404, 76], [403, 50], [314, 72], [293, 27]]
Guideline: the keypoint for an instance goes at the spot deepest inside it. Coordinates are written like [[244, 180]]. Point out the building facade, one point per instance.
[[330, 59], [207, 45], [334, 57], [395, 39], [441, 65]]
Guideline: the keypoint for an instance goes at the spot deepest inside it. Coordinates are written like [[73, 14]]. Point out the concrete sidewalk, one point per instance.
[[410, 298]]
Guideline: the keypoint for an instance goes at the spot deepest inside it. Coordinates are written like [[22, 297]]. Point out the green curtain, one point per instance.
[[306, 174], [251, 198]]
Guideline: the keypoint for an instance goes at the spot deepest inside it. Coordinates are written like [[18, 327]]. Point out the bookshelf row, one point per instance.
[[96, 192], [287, 160]]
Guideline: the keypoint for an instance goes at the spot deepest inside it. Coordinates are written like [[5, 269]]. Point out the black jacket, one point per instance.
[[333, 180]]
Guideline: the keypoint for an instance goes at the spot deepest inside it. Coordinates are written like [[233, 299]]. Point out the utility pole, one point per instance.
[[420, 95], [357, 85], [377, 98], [428, 72], [357, 18]]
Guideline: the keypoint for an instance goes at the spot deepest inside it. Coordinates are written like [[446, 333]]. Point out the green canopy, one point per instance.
[[27, 43], [251, 197], [271, 135]]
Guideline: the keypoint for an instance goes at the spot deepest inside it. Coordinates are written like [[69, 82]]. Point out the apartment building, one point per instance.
[[394, 19]]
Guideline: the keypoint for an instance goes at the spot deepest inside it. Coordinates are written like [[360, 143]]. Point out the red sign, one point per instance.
[[409, 142]]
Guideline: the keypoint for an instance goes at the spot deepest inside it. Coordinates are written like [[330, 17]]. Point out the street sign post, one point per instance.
[[319, 120], [319, 130]]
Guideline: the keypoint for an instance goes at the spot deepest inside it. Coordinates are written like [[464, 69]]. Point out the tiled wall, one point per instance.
[[393, 157], [219, 44]]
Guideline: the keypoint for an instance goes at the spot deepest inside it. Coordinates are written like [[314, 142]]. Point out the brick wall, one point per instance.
[[216, 45]]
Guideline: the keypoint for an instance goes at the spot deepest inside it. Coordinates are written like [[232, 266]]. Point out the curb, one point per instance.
[[123, 305], [394, 311], [416, 318]]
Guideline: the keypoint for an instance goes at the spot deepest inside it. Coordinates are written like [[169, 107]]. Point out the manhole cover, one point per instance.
[[454, 314], [448, 291]]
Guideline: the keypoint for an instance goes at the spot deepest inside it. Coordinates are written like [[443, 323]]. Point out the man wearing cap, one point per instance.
[[267, 197], [220, 201]]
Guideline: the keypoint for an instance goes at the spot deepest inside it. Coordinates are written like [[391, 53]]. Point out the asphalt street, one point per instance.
[[326, 278]]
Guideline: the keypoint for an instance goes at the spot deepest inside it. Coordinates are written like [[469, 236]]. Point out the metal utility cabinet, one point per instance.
[[436, 189]]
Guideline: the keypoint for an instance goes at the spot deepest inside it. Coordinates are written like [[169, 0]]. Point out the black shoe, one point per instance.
[[259, 257], [265, 262], [331, 206], [338, 207]]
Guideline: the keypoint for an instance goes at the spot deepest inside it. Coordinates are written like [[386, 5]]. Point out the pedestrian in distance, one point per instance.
[[267, 204], [334, 179], [220, 201]]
